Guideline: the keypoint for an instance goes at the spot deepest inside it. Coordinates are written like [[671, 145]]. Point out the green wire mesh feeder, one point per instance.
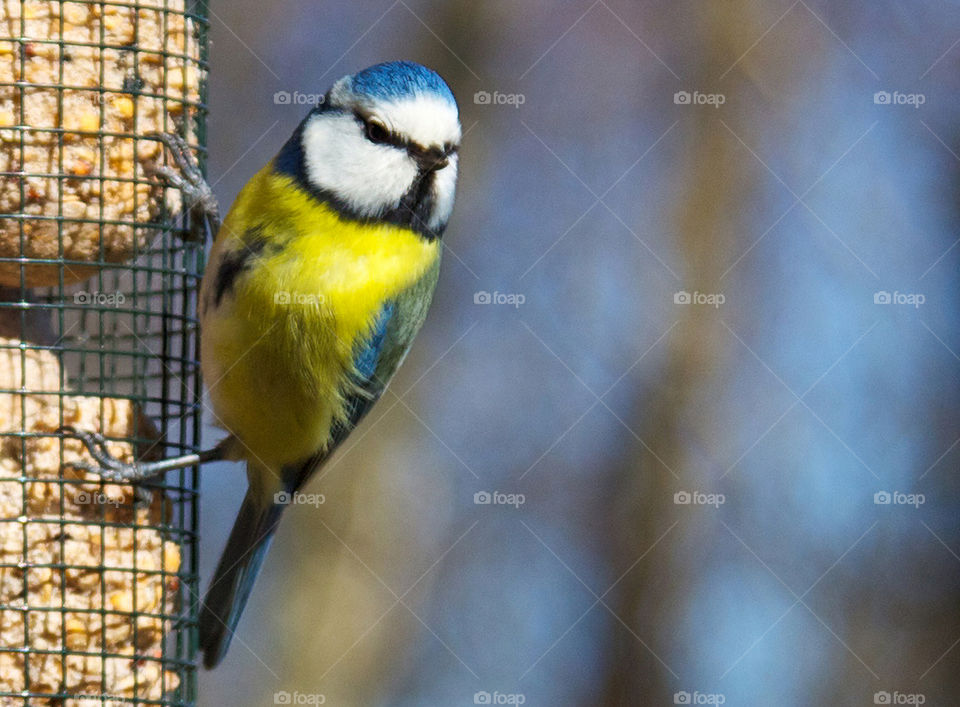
[[97, 332]]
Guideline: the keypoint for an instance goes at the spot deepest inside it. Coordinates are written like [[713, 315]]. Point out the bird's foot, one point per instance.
[[110, 468], [198, 197]]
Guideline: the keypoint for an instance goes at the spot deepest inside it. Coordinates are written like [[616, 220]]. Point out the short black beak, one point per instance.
[[429, 160]]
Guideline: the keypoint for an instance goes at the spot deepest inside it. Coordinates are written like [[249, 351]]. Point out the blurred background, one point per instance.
[[682, 426]]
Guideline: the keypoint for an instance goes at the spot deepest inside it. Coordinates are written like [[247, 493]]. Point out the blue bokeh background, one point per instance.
[[599, 398]]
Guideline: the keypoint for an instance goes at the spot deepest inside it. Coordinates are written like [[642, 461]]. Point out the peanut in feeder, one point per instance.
[[96, 593], [89, 80]]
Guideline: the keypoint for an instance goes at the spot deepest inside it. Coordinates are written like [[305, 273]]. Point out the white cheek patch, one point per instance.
[[370, 179]]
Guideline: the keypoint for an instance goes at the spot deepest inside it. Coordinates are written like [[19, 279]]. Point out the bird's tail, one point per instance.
[[239, 564]]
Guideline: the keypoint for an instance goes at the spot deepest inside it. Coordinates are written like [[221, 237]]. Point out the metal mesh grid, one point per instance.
[[108, 342]]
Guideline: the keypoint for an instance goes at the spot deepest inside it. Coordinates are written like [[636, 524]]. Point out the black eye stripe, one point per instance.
[[378, 134]]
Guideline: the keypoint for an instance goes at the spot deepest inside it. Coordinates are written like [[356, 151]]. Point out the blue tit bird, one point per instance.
[[318, 280]]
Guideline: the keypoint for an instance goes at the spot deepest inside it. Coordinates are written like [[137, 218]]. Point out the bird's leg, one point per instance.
[[198, 198], [112, 469]]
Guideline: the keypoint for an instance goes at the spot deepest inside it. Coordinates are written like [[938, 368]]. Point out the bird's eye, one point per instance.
[[377, 132]]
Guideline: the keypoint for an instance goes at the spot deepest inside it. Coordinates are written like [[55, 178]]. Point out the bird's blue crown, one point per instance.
[[395, 80]]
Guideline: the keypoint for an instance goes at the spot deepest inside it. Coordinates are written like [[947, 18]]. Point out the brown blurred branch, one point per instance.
[[708, 225]]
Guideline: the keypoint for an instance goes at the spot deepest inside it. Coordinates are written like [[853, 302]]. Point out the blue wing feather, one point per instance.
[[369, 388], [365, 361]]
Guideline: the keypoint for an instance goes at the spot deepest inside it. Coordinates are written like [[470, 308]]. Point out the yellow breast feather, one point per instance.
[[282, 342]]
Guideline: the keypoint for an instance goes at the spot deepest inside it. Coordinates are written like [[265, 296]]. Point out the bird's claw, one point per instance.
[[110, 468], [198, 197]]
